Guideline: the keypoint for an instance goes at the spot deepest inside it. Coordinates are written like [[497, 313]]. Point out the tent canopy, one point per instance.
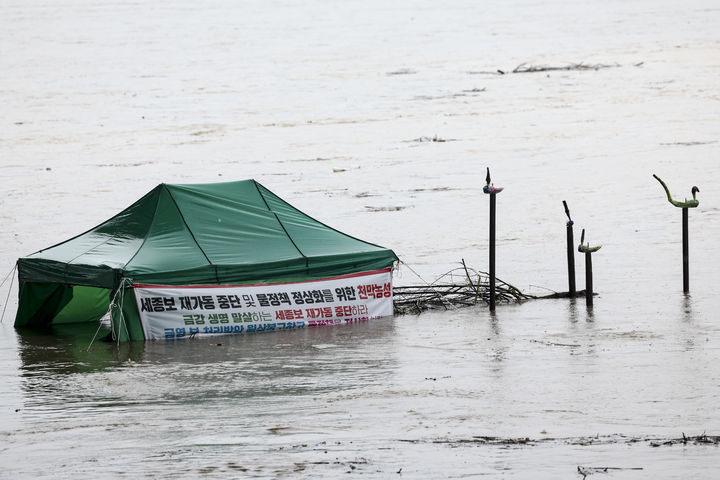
[[219, 233]]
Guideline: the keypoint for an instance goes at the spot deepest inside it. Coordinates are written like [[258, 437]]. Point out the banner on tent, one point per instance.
[[169, 312]]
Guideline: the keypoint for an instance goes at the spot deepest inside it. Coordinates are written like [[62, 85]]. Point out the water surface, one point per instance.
[[378, 119]]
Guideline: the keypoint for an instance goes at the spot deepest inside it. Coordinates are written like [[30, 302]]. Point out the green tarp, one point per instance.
[[221, 233]]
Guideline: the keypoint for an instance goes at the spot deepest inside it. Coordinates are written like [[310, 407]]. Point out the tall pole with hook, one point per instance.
[[685, 241], [489, 189]]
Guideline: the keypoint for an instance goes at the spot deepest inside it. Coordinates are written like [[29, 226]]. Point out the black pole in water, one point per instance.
[[570, 253], [492, 191], [685, 242], [588, 280], [588, 250], [686, 252], [492, 253]]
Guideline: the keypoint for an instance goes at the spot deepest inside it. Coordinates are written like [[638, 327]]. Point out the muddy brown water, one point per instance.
[[379, 119]]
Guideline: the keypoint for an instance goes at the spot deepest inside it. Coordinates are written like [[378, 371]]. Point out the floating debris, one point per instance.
[[579, 441], [402, 71], [449, 291], [433, 189], [465, 93], [689, 144], [384, 209], [525, 68], [585, 471], [434, 138], [202, 132]]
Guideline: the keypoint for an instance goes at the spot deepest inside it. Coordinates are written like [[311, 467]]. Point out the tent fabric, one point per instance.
[[230, 232], [87, 305], [219, 233], [40, 303]]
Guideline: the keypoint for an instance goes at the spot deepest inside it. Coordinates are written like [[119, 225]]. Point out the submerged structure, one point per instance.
[[206, 259]]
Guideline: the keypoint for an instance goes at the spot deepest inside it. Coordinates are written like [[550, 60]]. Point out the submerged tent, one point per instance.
[[201, 234]]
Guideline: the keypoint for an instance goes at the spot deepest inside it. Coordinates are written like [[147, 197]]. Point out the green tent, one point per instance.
[[200, 234]]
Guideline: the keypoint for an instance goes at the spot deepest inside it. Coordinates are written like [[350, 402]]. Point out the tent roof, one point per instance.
[[231, 232]]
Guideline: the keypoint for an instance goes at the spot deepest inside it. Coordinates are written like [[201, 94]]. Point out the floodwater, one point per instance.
[[379, 118]]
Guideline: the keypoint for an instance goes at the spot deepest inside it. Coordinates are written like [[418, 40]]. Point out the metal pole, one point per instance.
[[492, 253], [686, 254], [588, 280], [570, 253], [571, 260], [684, 205]]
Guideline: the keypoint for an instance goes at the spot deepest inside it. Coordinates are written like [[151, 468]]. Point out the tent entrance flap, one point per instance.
[[44, 304], [88, 305]]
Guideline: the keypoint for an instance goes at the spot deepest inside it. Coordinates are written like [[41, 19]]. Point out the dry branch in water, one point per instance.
[[616, 439], [460, 287], [525, 68], [585, 471]]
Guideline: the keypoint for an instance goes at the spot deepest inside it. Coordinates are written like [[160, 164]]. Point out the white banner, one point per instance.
[[169, 312]]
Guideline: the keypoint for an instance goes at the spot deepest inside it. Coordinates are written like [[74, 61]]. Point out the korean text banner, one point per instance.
[[169, 312]]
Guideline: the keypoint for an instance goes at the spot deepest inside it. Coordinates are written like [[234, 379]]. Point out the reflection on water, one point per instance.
[[572, 310], [59, 364], [687, 307], [69, 348]]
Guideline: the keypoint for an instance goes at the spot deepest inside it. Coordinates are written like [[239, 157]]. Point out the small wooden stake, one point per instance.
[[686, 253]]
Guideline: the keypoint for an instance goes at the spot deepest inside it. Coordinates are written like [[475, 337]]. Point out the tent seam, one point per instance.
[[321, 223], [192, 235], [70, 262], [147, 233], [307, 262], [67, 264]]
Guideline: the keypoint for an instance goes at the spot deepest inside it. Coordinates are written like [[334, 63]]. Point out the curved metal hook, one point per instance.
[[586, 248], [687, 203]]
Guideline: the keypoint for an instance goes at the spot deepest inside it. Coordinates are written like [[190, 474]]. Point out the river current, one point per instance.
[[379, 119]]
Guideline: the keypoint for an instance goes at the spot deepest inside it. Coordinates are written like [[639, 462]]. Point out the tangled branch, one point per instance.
[[460, 287]]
